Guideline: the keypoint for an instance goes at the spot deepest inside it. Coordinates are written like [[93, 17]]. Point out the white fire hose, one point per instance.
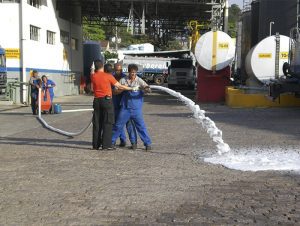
[[69, 134], [199, 115]]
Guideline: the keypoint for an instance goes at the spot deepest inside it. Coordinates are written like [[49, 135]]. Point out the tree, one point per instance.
[[233, 18], [93, 32], [109, 55]]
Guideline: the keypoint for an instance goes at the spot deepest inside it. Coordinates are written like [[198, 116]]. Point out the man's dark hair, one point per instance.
[[34, 71], [117, 64], [132, 67], [108, 68], [98, 64]]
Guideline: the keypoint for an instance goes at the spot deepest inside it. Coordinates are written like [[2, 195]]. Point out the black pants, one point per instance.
[[103, 119]]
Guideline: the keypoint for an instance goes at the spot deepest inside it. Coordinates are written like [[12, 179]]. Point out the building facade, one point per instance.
[[40, 35]]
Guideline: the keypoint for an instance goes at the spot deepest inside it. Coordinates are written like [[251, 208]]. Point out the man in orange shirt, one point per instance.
[[103, 117]]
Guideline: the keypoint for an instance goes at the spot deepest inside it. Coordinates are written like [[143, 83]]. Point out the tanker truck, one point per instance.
[[3, 71], [182, 72], [151, 69]]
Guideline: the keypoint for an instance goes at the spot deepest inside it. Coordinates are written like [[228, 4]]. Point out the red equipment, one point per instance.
[[211, 86], [46, 104]]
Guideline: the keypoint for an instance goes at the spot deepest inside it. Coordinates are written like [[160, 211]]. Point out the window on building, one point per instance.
[[74, 43], [64, 37], [50, 37], [34, 3], [34, 33]]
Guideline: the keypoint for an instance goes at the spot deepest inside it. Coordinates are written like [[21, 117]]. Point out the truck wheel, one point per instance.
[[159, 79]]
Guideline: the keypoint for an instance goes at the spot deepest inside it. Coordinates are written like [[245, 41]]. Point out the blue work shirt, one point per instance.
[[117, 98], [133, 99], [50, 84]]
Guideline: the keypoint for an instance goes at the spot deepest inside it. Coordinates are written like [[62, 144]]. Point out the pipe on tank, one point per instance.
[[271, 23], [226, 17]]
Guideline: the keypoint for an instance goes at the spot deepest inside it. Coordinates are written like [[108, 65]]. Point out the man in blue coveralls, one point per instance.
[[118, 74], [132, 106]]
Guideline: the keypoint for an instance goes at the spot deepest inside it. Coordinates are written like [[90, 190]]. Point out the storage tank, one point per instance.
[[260, 61], [91, 52], [215, 50], [282, 12], [254, 23], [246, 41]]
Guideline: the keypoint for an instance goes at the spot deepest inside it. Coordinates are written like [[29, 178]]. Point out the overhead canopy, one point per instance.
[[164, 15]]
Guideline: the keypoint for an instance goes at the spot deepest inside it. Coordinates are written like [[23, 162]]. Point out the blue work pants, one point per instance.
[[136, 116], [129, 127]]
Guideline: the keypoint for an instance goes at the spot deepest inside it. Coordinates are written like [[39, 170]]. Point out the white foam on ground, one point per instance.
[[259, 159], [256, 159]]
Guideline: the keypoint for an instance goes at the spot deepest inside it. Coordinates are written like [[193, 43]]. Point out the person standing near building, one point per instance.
[[48, 84], [34, 85], [132, 106], [131, 130], [103, 117]]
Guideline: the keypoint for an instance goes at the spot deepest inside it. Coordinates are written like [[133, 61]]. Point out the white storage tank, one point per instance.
[[215, 50], [260, 60]]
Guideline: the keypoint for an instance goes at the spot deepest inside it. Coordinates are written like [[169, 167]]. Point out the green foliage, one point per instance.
[[93, 32], [109, 55], [106, 32], [233, 18], [126, 37]]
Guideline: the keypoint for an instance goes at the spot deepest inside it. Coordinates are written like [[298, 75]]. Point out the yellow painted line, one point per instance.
[[214, 51]]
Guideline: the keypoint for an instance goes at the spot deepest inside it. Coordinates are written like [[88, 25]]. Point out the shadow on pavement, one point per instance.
[[46, 142]]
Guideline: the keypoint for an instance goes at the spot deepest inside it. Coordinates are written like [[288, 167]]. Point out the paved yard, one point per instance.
[[49, 179]]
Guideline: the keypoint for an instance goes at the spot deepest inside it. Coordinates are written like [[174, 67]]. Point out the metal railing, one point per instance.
[[13, 90]]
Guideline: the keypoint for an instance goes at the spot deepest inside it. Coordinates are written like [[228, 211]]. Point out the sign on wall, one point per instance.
[[12, 53]]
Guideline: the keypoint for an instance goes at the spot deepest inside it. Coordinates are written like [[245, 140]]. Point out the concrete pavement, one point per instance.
[[49, 179]]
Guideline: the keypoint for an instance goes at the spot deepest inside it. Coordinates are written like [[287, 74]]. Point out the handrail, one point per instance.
[[11, 90]]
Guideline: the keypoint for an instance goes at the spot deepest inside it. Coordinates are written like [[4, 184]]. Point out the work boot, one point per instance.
[[148, 148], [133, 146], [122, 144], [112, 148]]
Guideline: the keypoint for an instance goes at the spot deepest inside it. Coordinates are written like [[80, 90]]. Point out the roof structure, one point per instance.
[[170, 15]]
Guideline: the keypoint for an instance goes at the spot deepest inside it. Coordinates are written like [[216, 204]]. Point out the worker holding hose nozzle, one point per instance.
[[103, 117], [118, 74], [132, 107]]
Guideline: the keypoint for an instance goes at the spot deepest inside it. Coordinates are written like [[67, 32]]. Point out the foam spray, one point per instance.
[[199, 115]]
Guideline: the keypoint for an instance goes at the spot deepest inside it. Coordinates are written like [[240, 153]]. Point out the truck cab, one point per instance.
[[182, 73], [3, 71]]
